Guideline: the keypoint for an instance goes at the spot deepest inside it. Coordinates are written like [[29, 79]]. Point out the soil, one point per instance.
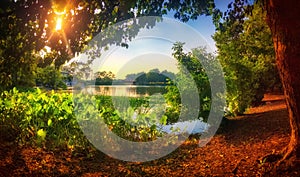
[[246, 145]]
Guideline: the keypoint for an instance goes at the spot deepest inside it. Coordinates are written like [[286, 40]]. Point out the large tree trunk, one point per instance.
[[283, 17]]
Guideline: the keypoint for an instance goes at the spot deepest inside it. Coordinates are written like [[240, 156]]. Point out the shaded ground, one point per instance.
[[237, 150]]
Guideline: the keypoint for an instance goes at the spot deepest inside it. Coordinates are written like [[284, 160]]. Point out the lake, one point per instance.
[[126, 90]]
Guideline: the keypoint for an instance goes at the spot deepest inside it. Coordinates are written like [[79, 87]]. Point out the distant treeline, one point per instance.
[[153, 77]]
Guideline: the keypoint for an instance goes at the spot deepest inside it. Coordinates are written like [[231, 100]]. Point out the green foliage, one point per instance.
[[154, 76], [104, 78], [41, 118], [129, 118], [134, 125], [50, 77], [27, 26], [53, 57], [248, 59], [50, 119], [17, 58], [189, 66]]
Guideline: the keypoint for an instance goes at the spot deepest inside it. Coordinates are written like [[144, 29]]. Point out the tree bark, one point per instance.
[[283, 17]]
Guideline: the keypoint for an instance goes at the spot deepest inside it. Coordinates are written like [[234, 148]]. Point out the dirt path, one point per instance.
[[237, 150]]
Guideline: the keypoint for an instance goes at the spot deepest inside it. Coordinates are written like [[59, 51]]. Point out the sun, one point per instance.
[[59, 19], [59, 14], [58, 26]]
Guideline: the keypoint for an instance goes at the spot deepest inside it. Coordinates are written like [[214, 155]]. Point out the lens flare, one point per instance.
[[58, 26], [60, 12]]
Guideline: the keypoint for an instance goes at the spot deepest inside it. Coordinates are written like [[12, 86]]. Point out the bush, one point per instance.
[[50, 77], [248, 59], [40, 118], [191, 71], [129, 118], [48, 119]]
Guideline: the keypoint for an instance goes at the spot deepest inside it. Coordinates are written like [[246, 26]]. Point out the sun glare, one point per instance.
[[58, 24], [60, 9], [60, 13]]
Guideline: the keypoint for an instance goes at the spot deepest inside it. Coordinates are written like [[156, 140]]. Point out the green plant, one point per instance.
[[52, 120], [191, 71], [50, 77], [41, 118], [133, 118], [247, 55]]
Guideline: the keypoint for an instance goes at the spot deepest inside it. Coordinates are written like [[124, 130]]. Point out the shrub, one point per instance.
[[50, 77], [41, 118], [51, 120], [191, 71], [248, 59]]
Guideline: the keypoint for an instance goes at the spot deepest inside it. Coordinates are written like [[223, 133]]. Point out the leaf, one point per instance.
[[42, 134], [49, 122], [163, 120], [15, 91], [38, 91]]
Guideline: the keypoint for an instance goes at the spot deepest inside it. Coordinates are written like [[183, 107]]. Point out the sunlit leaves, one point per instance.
[[17, 58], [76, 22], [50, 119], [245, 50], [41, 134], [190, 65]]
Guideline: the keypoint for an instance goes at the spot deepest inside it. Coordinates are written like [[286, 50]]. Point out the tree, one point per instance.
[[104, 78], [67, 26], [154, 76], [248, 60], [283, 20], [131, 77], [17, 59], [191, 70], [168, 74], [50, 77]]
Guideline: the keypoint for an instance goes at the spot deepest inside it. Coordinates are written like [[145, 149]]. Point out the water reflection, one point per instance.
[[125, 90], [190, 127]]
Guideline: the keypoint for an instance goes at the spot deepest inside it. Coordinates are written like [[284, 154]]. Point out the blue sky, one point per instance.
[[204, 23], [152, 48]]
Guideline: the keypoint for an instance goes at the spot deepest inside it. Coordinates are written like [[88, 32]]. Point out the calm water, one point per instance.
[[126, 90], [191, 127]]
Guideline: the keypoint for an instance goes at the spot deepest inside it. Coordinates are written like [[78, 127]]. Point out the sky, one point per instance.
[[152, 48], [204, 23]]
